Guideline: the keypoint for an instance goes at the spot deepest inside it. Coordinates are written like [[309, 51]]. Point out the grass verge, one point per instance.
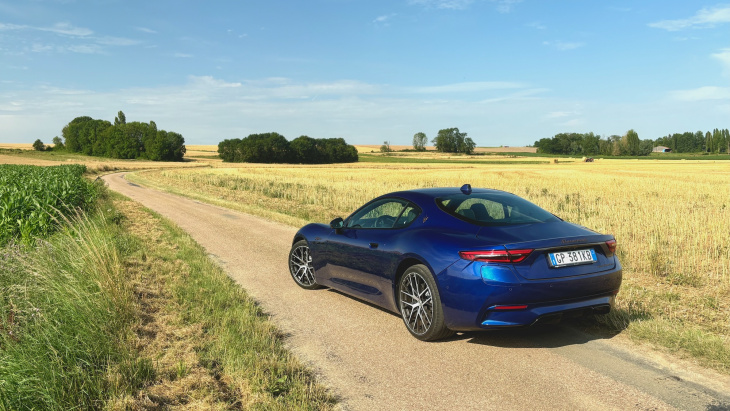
[[122, 310], [66, 319], [212, 346]]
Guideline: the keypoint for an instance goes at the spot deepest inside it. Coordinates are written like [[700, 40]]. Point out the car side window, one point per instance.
[[380, 214], [407, 216], [481, 210]]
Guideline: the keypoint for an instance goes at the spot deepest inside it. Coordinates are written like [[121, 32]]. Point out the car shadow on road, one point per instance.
[[567, 332]]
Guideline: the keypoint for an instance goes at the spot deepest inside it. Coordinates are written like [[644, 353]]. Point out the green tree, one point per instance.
[[120, 119], [58, 143], [274, 148], [38, 145], [451, 140], [385, 148], [419, 141], [632, 143], [646, 147], [305, 150], [590, 144]]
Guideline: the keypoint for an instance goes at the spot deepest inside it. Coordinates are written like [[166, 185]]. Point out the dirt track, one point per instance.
[[369, 359]]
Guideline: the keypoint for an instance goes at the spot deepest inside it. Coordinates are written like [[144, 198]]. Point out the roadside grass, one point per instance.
[[120, 310], [671, 219], [66, 317], [212, 345]]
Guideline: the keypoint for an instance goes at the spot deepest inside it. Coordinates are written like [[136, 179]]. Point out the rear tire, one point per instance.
[[300, 266], [420, 304]]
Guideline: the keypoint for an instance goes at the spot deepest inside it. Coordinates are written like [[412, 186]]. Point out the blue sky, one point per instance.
[[507, 72]]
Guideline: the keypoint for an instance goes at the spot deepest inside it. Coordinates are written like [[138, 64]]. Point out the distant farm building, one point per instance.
[[662, 149]]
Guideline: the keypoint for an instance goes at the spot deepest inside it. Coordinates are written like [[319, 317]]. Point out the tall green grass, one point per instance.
[[33, 199], [66, 313]]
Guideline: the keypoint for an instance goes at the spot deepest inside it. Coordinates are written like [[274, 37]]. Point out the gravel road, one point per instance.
[[368, 358]]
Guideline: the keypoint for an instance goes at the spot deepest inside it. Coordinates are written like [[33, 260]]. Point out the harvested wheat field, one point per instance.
[[16, 146], [93, 164], [671, 220]]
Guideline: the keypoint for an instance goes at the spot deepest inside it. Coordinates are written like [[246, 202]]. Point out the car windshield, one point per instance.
[[494, 209]]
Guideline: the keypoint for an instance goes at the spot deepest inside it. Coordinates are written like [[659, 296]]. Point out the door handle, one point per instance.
[[373, 245]]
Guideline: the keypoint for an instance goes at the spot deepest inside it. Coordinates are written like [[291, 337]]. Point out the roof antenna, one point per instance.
[[466, 189]]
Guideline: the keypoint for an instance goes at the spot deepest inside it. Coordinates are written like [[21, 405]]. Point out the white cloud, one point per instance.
[[41, 48], [384, 18], [88, 43], [503, 6], [536, 25], [724, 57], [560, 114], [467, 87], [58, 28], [211, 82], [521, 95], [443, 4], [7, 27], [67, 29], [116, 41], [145, 30], [182, 55], [702, 93], [573, 123], [563, 45], [85, 48], [702, 19]]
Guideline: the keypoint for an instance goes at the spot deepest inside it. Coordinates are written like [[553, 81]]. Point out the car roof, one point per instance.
[[435, 192]]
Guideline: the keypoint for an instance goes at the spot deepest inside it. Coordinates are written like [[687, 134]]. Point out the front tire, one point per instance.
[[300, 266], [420, 304]]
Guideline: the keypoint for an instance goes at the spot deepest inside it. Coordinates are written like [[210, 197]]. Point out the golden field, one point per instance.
[[671, 220], [93, 164]]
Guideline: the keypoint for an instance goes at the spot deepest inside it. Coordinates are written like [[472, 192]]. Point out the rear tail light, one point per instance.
[[496, 256], [611, 244], [509, 307]]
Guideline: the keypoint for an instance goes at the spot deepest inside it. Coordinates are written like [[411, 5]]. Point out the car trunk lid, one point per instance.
[[550, 238]]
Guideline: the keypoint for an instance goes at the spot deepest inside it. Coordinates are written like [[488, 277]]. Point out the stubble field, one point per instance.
[[671, 220]]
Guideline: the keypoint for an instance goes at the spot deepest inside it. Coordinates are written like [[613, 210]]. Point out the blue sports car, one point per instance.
[[457, 259]]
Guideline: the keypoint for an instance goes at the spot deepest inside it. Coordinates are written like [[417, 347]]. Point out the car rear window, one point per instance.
[[494, 209]]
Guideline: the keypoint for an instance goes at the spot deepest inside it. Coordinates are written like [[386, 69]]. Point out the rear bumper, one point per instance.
[[495, 319], [473, 297]]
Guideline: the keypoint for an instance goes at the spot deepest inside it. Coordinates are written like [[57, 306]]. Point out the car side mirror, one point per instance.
[[337, 224]]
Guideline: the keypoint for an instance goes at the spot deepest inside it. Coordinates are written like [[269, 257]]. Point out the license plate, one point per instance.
[[574, 257]]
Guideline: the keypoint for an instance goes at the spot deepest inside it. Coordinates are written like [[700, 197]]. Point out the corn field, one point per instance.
[[33, 199]]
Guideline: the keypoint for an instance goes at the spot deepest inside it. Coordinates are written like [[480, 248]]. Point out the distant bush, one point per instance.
[[39, 146], [274, 148], [122, 140]]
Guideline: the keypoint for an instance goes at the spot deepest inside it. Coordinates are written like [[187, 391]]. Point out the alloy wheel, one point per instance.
[[300, 265], [416, 301]]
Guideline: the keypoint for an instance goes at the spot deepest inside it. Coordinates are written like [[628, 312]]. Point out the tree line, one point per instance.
[[717, 141], [448, 140], [590, 144], [122, 139], [275, 148]]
